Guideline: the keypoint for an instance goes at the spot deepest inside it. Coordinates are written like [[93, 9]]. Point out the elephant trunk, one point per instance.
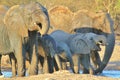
[[108, 52], [45, 25], [109, 48]]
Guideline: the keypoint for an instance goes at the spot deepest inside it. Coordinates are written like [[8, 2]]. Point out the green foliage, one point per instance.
[[117, 6]]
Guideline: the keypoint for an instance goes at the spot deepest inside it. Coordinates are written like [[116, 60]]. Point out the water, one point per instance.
[[107, 73], [111, 73], [7, 74]]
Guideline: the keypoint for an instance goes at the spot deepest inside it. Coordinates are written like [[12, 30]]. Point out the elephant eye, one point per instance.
[[100, 41], [39, 24]]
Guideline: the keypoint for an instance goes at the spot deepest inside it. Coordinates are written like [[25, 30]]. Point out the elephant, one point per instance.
[[3, 10], [59, 52], [80, 45], [102, 24], [46, 48], [51, 54], [44, 58], [85, 21], [22, 21]]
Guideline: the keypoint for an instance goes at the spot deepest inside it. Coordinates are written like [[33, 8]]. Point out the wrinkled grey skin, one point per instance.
[[23, 21], [58, 51], [80, 46]]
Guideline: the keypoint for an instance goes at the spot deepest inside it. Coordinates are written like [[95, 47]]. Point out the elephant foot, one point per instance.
[[21, 73], [2, 76], [85, 71], [1, 73], [40, 71], [92, 72], [76, 70]]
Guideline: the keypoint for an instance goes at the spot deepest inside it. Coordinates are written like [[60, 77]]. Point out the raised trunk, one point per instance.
[[108, 52], [109, 48]]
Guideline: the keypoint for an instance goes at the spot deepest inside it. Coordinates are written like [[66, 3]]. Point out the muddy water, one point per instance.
[[107, 73]]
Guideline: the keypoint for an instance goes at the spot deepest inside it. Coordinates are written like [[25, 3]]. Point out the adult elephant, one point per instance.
[[85, 21], [3, 10], [23, 21]]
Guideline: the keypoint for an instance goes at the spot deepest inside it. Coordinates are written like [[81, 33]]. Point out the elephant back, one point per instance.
[[81, 20], [60, 35]]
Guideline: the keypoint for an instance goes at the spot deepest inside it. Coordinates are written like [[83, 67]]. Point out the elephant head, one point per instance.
[[32, 16], [100, 39], [102, 23]]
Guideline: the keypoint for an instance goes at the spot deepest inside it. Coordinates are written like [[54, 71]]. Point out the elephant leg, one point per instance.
[[57, 59], [13, 64], [85, 61], [20, 62], [64, 65], [0, 65], [45, 65], [20, 55], [55, 66], [76, 63], [96, 59], [41, 61], [33, 70], [50, 64]]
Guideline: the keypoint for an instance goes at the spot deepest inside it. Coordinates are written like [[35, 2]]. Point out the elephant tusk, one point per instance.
[[35, 23]]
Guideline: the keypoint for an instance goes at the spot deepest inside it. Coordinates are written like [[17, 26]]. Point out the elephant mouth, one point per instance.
[[39, 24], [102, 43]]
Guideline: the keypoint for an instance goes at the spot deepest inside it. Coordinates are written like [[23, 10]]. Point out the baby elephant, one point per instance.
[[58, 51], [80, 45]]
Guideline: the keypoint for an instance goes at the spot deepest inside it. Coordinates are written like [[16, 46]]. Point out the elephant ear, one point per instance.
[[79, 45], [60, 18], [14, 21]]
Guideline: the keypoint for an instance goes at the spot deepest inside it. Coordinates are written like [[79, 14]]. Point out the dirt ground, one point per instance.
[[114, 64]]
